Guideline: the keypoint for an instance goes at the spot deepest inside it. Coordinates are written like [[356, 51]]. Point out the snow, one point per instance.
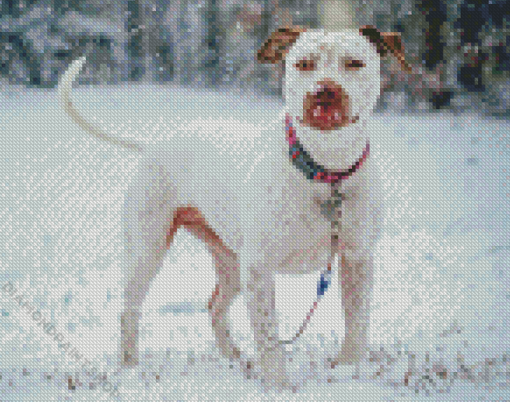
[[439, 323]]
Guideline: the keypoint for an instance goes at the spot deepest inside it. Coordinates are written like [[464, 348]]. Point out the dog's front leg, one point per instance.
[[261, 308], [361, 228], [356, 282]]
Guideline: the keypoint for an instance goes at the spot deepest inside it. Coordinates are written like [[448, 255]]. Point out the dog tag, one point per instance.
[[328, 208]]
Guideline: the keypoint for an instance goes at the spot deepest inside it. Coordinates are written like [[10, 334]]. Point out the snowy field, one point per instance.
[[441, 299]]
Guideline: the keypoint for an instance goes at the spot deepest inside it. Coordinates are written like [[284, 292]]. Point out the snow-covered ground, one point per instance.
[[442, 293]]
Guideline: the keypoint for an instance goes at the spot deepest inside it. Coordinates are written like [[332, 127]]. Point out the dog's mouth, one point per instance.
[[327, 108]]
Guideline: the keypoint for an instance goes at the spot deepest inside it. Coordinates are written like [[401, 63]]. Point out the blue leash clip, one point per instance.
[[323, 283]]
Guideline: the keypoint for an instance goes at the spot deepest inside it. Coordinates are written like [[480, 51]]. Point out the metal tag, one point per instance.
[[328, 208]]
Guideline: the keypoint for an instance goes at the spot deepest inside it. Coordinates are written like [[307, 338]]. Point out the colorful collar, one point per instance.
[[313, 171]]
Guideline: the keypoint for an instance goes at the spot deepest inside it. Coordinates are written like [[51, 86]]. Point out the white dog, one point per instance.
[[274, 221]]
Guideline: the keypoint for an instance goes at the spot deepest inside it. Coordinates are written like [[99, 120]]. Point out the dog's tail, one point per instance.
[[64, 91]]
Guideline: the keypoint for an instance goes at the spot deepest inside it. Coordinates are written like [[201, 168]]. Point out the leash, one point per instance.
[[330, 208]]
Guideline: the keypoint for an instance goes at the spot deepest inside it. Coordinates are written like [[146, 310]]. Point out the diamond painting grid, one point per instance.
[[440, 299]]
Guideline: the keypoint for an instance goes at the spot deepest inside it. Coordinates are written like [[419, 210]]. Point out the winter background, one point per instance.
[[441, 296]]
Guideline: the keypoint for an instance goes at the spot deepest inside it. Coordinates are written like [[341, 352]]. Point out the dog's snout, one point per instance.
[[327, 107]]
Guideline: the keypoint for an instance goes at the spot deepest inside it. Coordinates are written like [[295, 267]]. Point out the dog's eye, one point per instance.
[[354, 64], [305, 65]]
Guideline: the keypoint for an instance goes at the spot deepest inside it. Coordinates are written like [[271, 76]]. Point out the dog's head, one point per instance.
[[332, 78]]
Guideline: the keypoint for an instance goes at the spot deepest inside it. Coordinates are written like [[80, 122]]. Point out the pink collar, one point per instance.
[[313, 171]]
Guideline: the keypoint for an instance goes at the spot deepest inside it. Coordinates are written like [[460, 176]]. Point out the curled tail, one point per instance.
[[64, 91]]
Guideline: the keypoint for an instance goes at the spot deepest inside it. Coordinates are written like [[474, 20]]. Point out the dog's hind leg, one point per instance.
[[228, 278], [149, 229], [151, 220]]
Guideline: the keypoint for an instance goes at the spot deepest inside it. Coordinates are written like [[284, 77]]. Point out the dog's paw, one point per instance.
[[347, 357], [248, 369], [268, 370], [128, 360], [273, 375], [271, 383], [342, 360]]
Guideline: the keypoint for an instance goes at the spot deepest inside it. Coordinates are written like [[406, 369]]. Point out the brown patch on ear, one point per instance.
[[278, 44], [386, 41]]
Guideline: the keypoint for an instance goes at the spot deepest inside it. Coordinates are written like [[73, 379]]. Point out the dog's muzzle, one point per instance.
[[327, 108]]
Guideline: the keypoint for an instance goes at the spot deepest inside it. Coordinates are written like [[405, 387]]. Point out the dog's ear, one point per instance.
[[386, 41], [278, 44]]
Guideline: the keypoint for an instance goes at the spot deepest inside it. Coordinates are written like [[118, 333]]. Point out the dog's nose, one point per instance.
[[328, 90], [326, 94]]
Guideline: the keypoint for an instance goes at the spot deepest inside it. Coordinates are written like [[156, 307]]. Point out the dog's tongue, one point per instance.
[[326, 112]]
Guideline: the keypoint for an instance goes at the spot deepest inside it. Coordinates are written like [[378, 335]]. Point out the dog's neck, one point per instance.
[[335, 150]]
